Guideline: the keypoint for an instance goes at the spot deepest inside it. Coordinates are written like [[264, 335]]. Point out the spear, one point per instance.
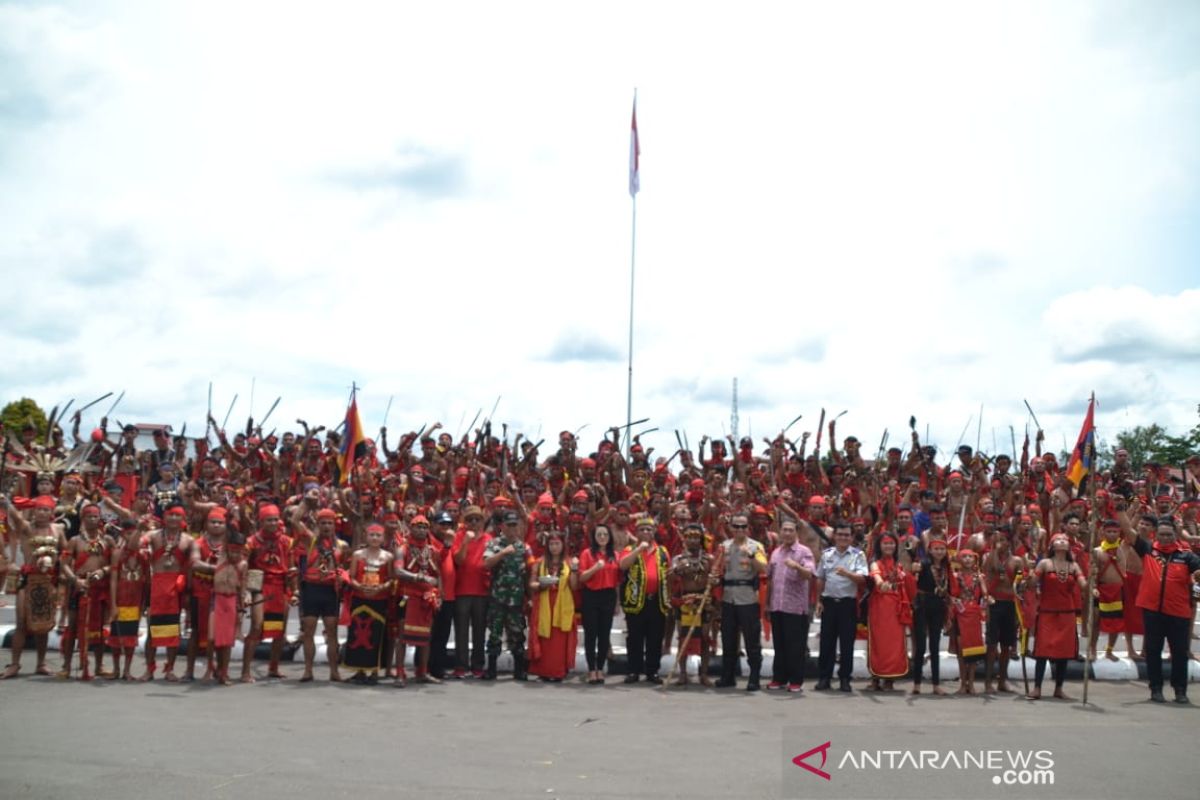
[[97, 400], [471, 427], [267, 416], [230, 411], [1035, 419], [790, 424], [1091, 579], [66, 408], [116, 403], [1012, 432], [208, 416], [964, 432], [820, 426], [979, 428], [388, 410]]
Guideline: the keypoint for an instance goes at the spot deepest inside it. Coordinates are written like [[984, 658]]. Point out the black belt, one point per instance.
[[739, 582], [826, 599]]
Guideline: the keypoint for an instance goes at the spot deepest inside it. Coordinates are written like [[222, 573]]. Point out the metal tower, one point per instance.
[[733, 416]]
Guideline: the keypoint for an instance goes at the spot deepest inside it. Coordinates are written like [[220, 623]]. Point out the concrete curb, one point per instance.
[[1124, 669]]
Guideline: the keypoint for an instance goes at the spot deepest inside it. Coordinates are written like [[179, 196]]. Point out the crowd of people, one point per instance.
[[704, 553]]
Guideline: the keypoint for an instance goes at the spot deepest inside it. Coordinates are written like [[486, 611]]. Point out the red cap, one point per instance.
[[327, 513], [269, 510]]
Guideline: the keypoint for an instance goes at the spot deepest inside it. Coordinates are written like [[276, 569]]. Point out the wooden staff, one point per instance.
[[718, 564], [82, 634], [1091, 578]]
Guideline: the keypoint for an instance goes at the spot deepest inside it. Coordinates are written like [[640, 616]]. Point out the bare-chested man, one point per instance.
[[320, 558], [170, 554], [228, 600], [40, 541], [690, 581], [205, 555], [84, 569], [1108, 592], [1000, 569]]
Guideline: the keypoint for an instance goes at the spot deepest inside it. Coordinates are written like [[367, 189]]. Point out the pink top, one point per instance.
[[789, 591]]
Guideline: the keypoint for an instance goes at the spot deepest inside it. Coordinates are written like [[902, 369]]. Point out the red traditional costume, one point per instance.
[[133, 567], [552, 620], [270, 554], [1055, 636], [967, 593], [888, 611], [422, 599], [202, 592], [166, 592]]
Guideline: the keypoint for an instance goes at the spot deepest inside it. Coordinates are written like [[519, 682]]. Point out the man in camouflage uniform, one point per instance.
[[505, 557]]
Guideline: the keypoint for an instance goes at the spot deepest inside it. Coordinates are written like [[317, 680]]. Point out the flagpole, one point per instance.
[[633, 189], [629, 381]]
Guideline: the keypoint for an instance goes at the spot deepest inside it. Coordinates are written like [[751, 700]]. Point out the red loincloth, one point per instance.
[[164, 609], [1109, 607], [1131, 613], [224, 619], [275, 606], [93, 614], [201, 601], [418, 620]]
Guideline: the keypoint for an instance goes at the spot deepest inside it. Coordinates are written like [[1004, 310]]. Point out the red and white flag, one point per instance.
[[634, 151]]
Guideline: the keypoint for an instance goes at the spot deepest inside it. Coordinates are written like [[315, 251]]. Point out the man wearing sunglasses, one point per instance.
[[743, 562]]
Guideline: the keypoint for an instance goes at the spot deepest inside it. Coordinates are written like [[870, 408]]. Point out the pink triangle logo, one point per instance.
[[823, 749]]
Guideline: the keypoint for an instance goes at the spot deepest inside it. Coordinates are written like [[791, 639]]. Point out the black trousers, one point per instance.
[[746, 621], [644, 638], [929, 617], [1058, 668], [791, 646], [838, 623], [597, 608], [1175, 632], [470, 625], [439, 636]]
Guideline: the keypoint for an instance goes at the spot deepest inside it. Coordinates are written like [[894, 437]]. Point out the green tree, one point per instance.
[[18, 413]]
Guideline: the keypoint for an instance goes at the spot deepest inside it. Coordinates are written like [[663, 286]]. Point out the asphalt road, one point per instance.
[[472, 739]]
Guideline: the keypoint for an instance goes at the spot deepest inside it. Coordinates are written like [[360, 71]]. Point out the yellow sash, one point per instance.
[[563, 615]]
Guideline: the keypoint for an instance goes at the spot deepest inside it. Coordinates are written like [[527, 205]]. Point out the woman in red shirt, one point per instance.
[[599, 573]]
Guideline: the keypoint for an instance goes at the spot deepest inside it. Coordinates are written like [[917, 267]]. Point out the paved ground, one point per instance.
[[473, 739]]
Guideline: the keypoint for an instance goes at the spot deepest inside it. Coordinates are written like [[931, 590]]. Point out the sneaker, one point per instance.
[[477, 674], [1156, 696], [459, 674], [774, 685], [657, 681], [794, 687], [1181, 697], [824, 685], [631, 678]]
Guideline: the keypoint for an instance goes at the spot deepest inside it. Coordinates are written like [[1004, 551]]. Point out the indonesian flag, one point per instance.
[[634, 151]]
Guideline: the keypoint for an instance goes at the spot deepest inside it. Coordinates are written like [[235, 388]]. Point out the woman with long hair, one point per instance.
[[599, 574], [552, 617], [933, 574], [888, 615], [1060, 581]]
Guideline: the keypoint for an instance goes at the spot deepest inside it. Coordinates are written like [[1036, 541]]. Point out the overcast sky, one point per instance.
[[888, 208]]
